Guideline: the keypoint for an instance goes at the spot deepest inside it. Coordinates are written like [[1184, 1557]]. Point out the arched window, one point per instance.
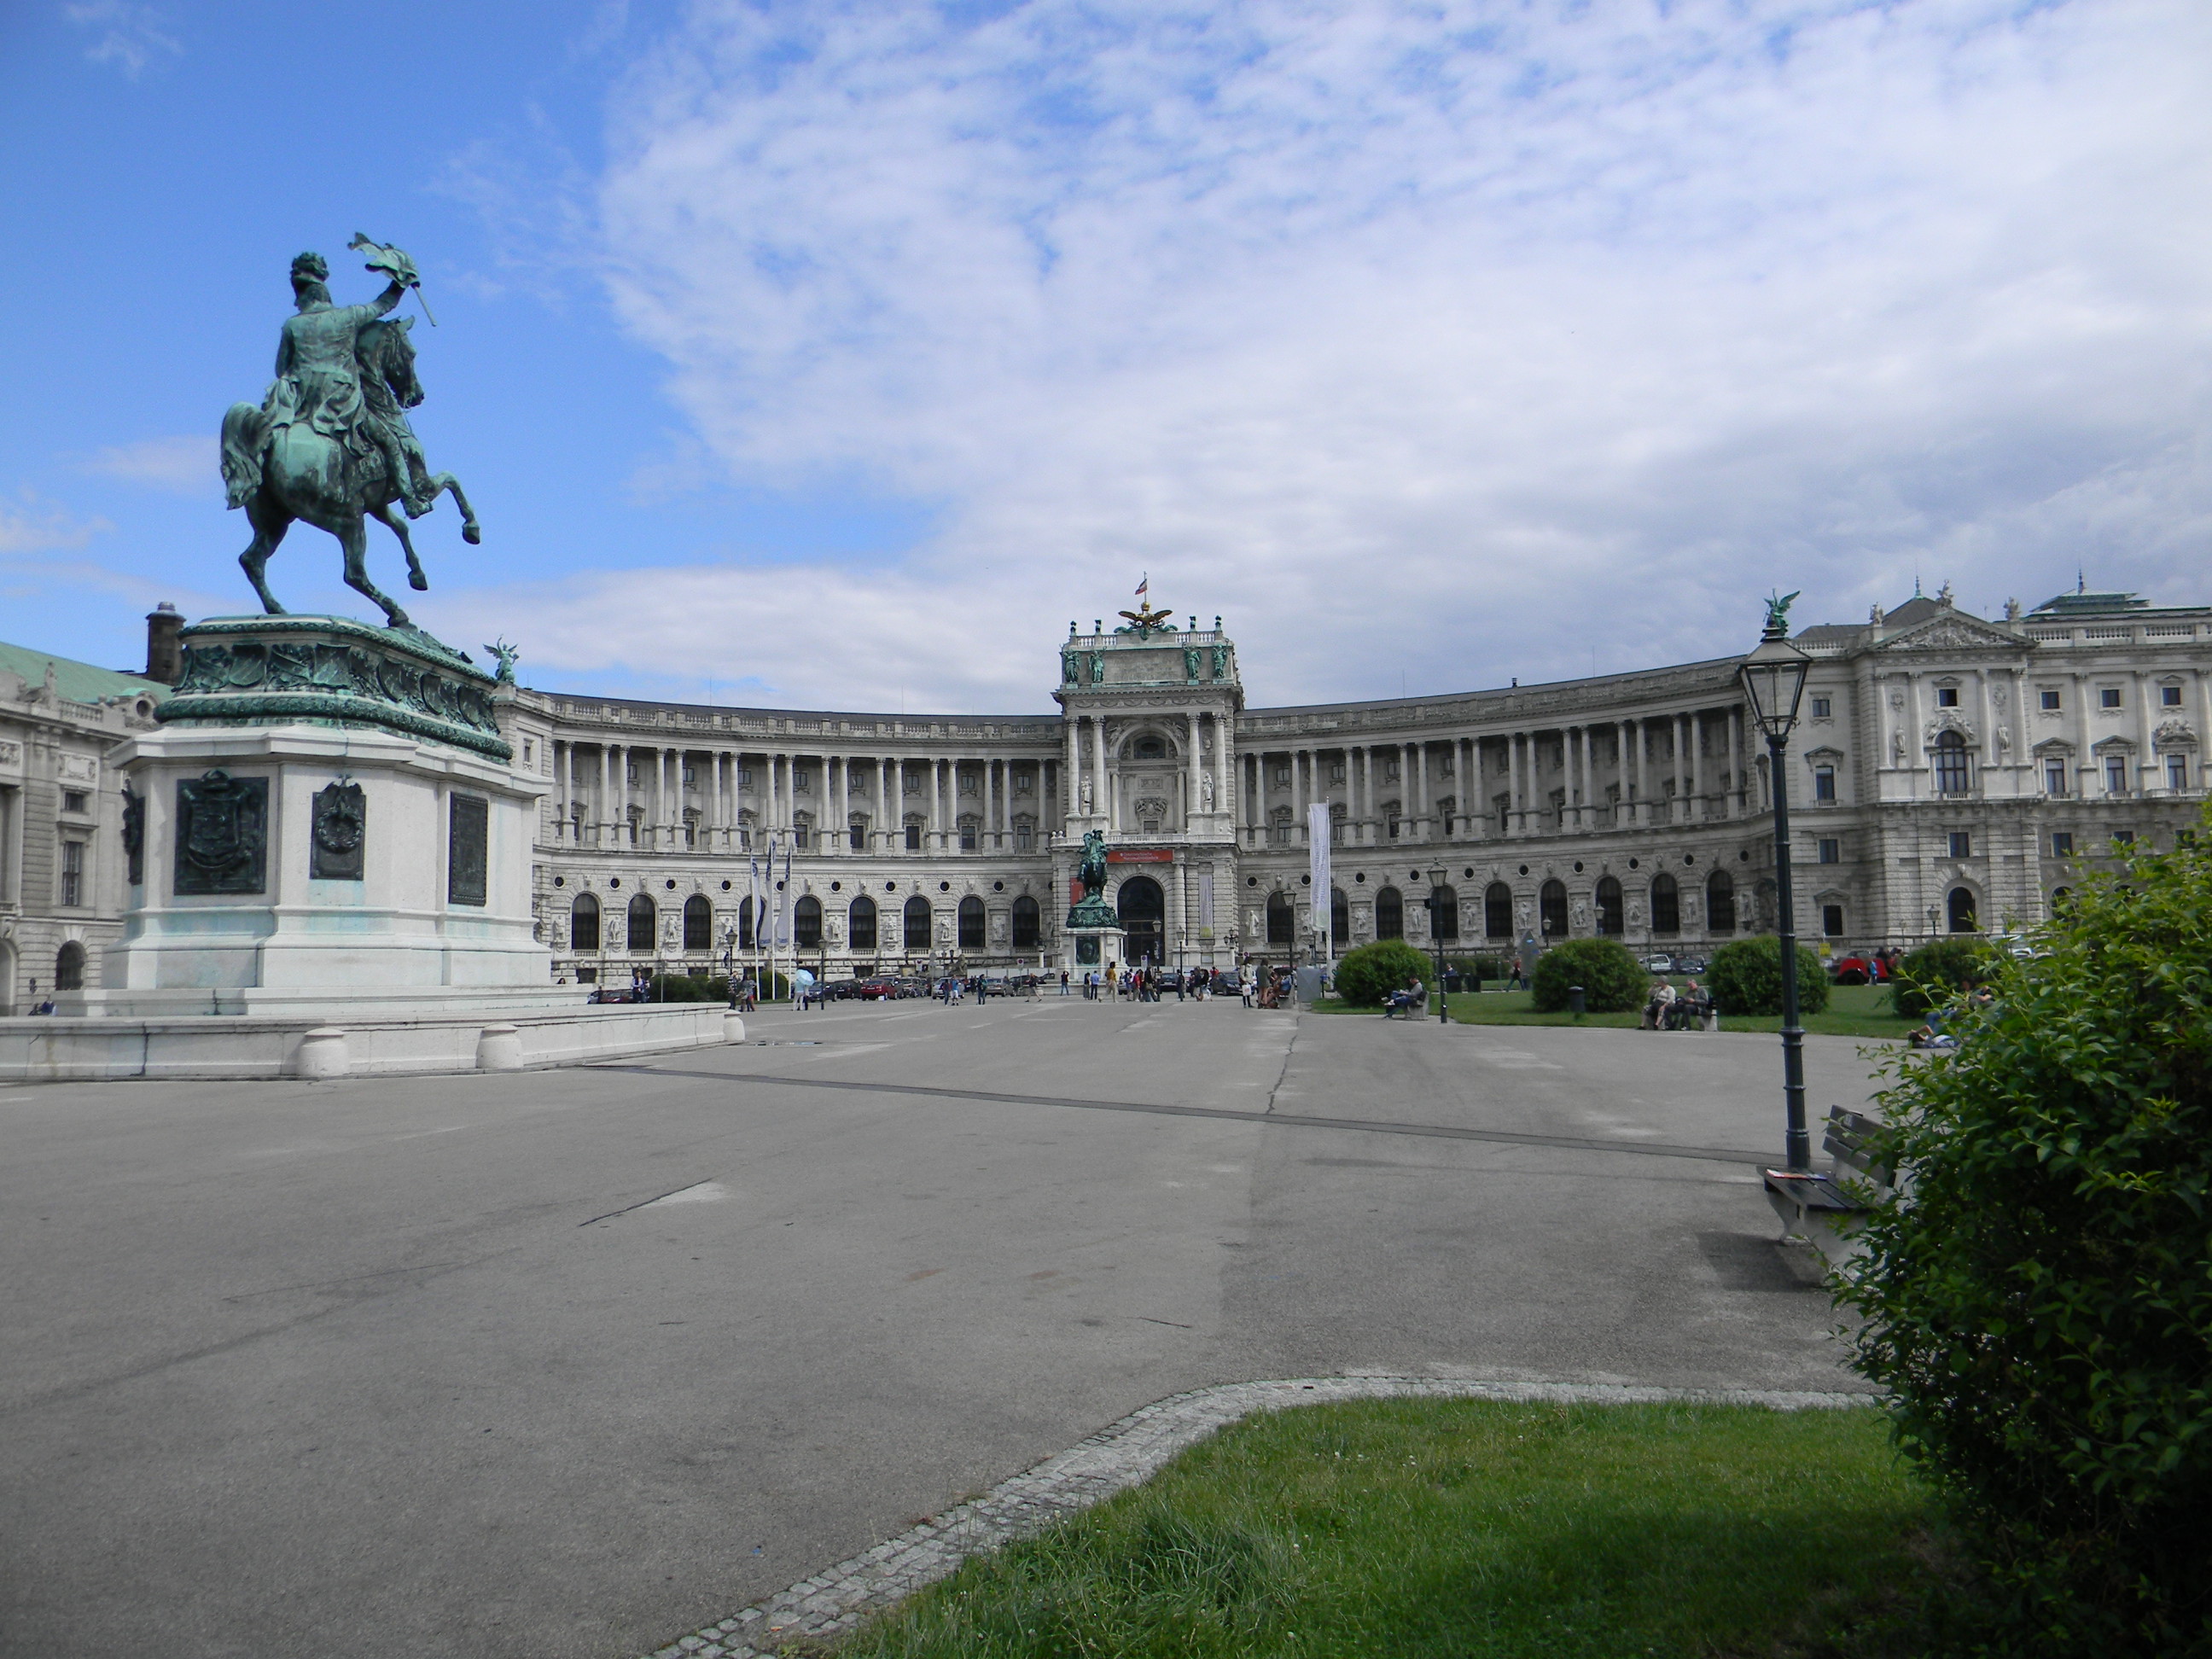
[[1389, 913], [1029, 924], [917, 923], [1282, 919], [1666, 906], [745, 940], [1720, 903], [1551, 907], [806, 922], [1950, 764], [640, 923], [971, 923], [861, 923], [68, 967], [1961, 907], [1497, 910], [584, 923], [1610, 921], [1150, 748], [698, 923], [1340, 919], [1443, 914]]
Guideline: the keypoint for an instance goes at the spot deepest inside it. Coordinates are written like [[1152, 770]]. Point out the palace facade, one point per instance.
[[1948, 774]]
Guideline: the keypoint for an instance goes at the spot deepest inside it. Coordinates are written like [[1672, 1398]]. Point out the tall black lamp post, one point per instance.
[[1773, 678], [1437, 877]]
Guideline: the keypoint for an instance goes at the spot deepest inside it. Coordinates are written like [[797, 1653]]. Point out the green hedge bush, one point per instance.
[[1745, 977], [1365, 975], [2038, 1309], [1483, 966], [1611, 979], [1929, 976]]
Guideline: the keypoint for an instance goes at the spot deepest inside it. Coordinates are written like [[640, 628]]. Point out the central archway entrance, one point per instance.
[[1144, 911]]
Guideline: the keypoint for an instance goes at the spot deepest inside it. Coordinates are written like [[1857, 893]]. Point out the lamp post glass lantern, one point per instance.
[[1436, 879], [1773, 678]]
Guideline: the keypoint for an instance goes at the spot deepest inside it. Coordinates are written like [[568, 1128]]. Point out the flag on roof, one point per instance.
[[1146, 586]]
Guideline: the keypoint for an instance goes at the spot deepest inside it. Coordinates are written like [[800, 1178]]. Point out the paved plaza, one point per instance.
[[569, 1362]]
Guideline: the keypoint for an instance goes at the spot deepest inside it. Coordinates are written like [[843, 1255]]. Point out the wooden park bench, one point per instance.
[[1814, 1204]]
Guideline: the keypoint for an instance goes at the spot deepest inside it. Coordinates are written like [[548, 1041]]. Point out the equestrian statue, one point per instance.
[[331, 443]]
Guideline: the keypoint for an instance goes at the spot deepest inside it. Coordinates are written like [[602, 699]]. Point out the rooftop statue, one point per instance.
[[1777, 616], [330, 442]]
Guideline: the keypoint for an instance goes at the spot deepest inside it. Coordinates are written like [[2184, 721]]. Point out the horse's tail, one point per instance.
[[242, 453]]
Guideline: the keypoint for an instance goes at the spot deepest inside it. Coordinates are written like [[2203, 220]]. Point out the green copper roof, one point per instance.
[[75, 682]]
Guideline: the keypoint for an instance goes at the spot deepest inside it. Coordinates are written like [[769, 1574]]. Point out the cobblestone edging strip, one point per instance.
[[1111, 1461]]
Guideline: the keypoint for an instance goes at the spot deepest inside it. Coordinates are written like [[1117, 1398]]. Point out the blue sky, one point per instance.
[[838, 356]]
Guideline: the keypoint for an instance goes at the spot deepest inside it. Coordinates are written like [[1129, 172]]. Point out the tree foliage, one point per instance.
[[2038, 1302], [1745, 977], [1365, 975], [1611, 979], [1929, 977]]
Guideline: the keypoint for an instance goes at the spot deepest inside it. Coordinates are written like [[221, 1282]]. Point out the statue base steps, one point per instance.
[[348, 1038]]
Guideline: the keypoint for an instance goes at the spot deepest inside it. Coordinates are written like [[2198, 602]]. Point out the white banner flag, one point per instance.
[[1317, 828]]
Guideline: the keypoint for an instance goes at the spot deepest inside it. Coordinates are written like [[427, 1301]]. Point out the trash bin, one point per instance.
[[1575, 1000]]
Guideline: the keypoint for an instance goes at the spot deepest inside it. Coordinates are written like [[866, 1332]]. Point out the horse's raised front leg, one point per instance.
[[268, 531], [398, 525], [470, 532], [354, 537]]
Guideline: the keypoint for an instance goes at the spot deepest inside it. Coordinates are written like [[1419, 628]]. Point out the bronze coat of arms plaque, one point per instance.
[[338, 834], [222, 834]]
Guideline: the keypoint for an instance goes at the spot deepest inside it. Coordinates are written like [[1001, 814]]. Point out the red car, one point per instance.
[[880, 989]]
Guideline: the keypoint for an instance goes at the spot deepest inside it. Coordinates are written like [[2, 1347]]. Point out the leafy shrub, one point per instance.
[[1611, 979], [682, 987], [1474, 968], [1929, 976], [2039, 1307], [1366, 976], [1745, 977]]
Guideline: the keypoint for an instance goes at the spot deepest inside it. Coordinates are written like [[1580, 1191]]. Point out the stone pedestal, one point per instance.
[[327, 821]]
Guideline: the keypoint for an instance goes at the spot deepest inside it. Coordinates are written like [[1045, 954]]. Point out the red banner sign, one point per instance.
[[1140, 856]]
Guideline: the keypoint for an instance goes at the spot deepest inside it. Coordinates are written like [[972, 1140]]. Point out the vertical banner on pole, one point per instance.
[[1317, 832]]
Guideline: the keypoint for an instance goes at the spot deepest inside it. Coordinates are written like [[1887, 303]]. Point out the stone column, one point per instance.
[[1190, 782], [888, 789], [1225, 741], [771, 811], [1417, 788], [1102, 798], [1642, 813], [1515, 791], [1736, 799], [1696, 725], [1588, 815], [1071, 771]]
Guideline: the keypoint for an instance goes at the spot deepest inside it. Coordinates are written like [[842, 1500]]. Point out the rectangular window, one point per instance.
[[1823, 783], [914, 838], [72, 872], [2054, 777], [529, 751], [1336, 771], [2061, 843], [967, 837], [2169, 696], [1823, 707], [1024, 836], [691, 774], [629, 772], [2176, 772], [2116, 776], [2125, 837], [1282, 777], [1962, 844], [2108, 697], [799, 836], [744, 777], [2050, 701], [802, 779], [1832, 920], [73, 800], [857, 835], [1947, 696], [1830, 849]]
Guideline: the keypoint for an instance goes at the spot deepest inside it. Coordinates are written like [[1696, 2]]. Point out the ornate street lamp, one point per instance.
[[1437, 877], [1773, 678]]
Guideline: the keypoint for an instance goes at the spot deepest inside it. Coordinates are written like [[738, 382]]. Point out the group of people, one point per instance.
[[1689, 1009]]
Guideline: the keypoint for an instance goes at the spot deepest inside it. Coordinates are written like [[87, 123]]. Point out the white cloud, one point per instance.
[[128, 36], [33, 524], [1458, 340], [183, 465]]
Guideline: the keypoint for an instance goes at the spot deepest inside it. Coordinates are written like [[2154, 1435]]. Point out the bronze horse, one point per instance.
[[320, 480]]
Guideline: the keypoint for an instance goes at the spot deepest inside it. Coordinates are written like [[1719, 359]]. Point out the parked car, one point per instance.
[[881, 989], [1659, 963]]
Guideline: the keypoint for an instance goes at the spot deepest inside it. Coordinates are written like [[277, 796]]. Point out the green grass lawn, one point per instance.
[[1457, 1530], [1859, 1010]]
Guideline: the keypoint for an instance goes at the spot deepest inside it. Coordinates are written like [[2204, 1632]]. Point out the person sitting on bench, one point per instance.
[[1406, 1002]]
